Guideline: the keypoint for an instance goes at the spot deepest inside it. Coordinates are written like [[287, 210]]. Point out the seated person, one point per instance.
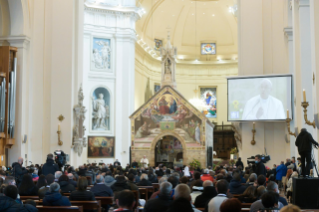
[[209, 193], [44, 189], [221, 189], [82, 194], [8, 203], [125, 201], [182, 194], [120, 184], [35, 175], [100, 189], [235, 186], [270, 199], [206, 176], [163, 201], [144, 181], [54, 197], [252, 179], [249, 195], [27, 187], [70, 176], [261, 180], [65, 186], [233, 205]]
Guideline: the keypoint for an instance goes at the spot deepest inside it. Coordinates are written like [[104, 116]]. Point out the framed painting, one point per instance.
[[157, 87], [209, 99], [101, 59], [158, 44], [101, 147], [208, 48]]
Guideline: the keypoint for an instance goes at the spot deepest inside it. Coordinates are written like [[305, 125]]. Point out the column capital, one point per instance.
[[288, 31], [21, 41]]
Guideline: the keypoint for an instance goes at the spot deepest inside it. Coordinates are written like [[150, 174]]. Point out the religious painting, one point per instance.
[[166, 112], [208, 97], [208, 48], [101, 54], [158, 44], [101, 147], [100, 110], [157, 87]]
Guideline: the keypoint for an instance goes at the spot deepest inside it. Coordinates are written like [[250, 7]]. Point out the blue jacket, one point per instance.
[[281, 171], [101, 190], [55, 199], [235, 187], [10, 205]]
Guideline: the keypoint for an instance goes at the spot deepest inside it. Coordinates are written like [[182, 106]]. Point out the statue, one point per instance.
[[101, 55], [100, 113], [168, 67]]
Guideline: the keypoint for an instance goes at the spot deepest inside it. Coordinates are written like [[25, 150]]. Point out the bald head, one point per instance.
[[20, 160], [70, 176], [99, 179], [207, 183]]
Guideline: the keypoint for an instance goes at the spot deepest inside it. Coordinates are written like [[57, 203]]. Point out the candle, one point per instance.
[[304, 95], [59, 127], [253, 125], [287, 113]]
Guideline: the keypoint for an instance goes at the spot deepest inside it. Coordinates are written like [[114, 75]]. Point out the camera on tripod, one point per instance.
[[60, 157], [264, 159]]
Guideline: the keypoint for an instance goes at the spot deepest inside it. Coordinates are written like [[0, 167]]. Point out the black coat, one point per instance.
[[202, 200], [240, 163], [144, 183], [50, 167], [33, 191], [66, 187], [260, 169], [304, 142], [18, 171], [120, 186], [158, 204], [235, 187], [8, 204], [74, 183], [55, 199], [82, 196], [135, 164]]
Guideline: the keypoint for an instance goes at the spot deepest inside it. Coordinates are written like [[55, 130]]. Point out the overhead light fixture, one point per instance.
[[213, 15]]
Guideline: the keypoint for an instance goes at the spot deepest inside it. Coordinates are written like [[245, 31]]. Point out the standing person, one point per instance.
[[259, 168], [240, 163], [116, 163], [50, 167], [281, 171], [304, 143], [144, 161], [18, 170]]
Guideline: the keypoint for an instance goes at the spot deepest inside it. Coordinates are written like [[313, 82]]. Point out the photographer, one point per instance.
[[50, 167], [259, 167], [304, 143]]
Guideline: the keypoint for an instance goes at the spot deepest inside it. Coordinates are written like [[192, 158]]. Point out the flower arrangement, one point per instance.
[[234, 150], [195, 164]]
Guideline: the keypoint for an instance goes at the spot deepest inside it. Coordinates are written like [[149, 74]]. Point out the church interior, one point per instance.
[[171, 82]]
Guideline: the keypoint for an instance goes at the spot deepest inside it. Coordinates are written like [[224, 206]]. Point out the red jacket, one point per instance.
[[205, 177]]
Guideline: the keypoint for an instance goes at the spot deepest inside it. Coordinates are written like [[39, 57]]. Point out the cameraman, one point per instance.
[[259, 167], [304, 143], [50, 167]]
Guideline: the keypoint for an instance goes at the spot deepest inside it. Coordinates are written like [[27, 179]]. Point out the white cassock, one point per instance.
[[186, 172], [272, 108], [145, 161]]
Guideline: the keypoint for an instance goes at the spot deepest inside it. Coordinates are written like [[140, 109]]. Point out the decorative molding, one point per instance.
[[22, 41], [289, 33]]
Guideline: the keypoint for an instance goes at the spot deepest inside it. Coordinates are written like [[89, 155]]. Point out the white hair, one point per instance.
[[144, 176], [57, 174], [267, 81]]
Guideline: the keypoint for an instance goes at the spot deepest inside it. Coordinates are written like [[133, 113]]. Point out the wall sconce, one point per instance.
[[288, 120], [305, 104], [60, 118], [253, 142]]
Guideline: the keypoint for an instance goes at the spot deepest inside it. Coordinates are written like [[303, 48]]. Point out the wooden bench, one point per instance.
[[29, 197], [37, 202], [155, 186], [246, 205], [236, 195], [245, 210], [201, 209], [136, 196], [59, 208], [105, 200], [144, 191], [149, 189], [88, 205]]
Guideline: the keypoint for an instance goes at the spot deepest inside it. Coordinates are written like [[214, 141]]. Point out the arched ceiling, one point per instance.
[[190, 23]]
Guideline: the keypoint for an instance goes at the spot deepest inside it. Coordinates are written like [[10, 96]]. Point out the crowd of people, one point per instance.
[[223, 188]]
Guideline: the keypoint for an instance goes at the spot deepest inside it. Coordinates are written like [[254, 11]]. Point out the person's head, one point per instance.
[[257, 158], [196, 175], [233, 205], [70, 176], [50, 156], [253, 177], [63, 178], [166, 188], [299, 160], [131, 177], [10, 180], [125, 199], [289, 173], [265, 88], [250, 192], [275, 166], [41, 181], [144, 176], [99, 179], [236, 176], [101, 95], [184, 180], [82, 183], [173, 180], [54, 187], [261, 179], [26, 182], [207, 183], [270, 199], [272, 186], [11, 191], [290, 208], [175, 174], [182, 191], [260, 191], [144, 156], [57, 174], [222, 186], [282, 162], [50, 179], [20, 160], [162, 180], [223, 172]]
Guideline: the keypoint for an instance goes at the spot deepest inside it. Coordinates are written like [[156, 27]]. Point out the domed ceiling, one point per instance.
[[190, 23]]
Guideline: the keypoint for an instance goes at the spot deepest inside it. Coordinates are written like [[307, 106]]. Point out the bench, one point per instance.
[[29, 197], [201, 209], [105, 200], [246, 205], [59, 208], [88, 205], [144, 191], [155, 186]]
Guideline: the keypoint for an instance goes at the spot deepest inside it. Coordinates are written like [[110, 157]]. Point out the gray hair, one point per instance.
[[272, 186], [175, 174], [57, 174], [144, 176], [182, 190], [253, 177], [166, 188], [70, 175], [99, 179], [162, 180], [54, 187], [207, 183]]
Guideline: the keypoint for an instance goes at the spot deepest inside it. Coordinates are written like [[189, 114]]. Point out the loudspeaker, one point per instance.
[[210, 156], [305, 193]]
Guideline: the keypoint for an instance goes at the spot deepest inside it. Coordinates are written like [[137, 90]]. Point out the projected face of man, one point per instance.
[[265, 88]]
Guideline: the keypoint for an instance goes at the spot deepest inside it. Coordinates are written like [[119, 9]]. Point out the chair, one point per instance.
[[29, 197], [88, 205], [59, 208]]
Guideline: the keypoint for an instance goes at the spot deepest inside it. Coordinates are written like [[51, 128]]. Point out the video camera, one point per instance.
[[264, 159], [60, 157]]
